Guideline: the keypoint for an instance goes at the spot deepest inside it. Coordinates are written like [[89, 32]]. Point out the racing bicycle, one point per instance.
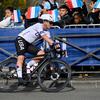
[[52, 73]]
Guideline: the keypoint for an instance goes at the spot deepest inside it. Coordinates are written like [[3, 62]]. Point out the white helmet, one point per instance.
[[47, 17]]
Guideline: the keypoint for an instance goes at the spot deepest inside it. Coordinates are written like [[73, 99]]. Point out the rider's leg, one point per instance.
[[20, 61], [34, 61], [40, 56], [30, 66], [21, 48]]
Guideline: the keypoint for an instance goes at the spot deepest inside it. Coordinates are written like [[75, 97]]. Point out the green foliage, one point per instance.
[[19, 4], [6, 3]]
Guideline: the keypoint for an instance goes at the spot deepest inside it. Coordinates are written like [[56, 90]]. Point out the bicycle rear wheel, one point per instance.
[[8, 80], [54, 75], [8, 77]]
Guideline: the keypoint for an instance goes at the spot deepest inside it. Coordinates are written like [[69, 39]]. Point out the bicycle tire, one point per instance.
[[9, 83], [44, 66]]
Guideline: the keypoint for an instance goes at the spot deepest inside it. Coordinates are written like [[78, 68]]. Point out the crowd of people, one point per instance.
[[86, 14]]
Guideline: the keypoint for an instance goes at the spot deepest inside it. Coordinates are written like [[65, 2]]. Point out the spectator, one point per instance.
[[22, 23], [44, 9], [7, 21], [29, 22], [84, 12], [23, 17], [65, 18], [94, 13], [84, 8], [50, 4], [78, 18]]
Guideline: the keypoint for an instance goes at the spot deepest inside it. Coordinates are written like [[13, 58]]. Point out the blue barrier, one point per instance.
[[89, 44]]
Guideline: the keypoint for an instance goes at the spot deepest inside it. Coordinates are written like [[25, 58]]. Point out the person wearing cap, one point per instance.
[[25, 43]]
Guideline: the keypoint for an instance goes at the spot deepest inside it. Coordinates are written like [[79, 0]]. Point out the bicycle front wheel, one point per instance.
[[54, 75]]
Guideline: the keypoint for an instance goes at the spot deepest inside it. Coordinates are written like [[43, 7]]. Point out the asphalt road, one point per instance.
[[82, 91]]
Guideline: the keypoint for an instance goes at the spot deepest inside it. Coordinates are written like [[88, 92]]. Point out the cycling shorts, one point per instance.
[[22, 47]]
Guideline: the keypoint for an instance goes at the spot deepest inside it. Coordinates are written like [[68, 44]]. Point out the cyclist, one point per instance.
[[27, 37]]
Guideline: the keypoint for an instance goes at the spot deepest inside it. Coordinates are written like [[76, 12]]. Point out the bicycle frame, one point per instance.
[[43, 60]]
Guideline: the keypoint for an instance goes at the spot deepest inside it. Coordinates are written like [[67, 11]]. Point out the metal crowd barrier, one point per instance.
[[69, 37], [82, 26], [87, 54]]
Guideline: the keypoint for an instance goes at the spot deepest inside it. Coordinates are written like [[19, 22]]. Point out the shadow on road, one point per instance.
[[14, 88]]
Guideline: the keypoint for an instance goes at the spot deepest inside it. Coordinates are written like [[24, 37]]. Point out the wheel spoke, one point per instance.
[[56, 77]]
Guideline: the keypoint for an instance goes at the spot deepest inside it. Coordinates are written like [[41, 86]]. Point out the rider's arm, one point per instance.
[[53, 45], [47, 39]]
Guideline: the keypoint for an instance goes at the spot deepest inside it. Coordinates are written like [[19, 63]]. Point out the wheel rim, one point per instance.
[[55, 79]]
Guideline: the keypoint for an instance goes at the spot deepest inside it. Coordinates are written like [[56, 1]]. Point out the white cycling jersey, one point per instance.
[[33, 32]]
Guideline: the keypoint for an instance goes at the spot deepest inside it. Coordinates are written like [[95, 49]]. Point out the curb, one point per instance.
[[85, 83]]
